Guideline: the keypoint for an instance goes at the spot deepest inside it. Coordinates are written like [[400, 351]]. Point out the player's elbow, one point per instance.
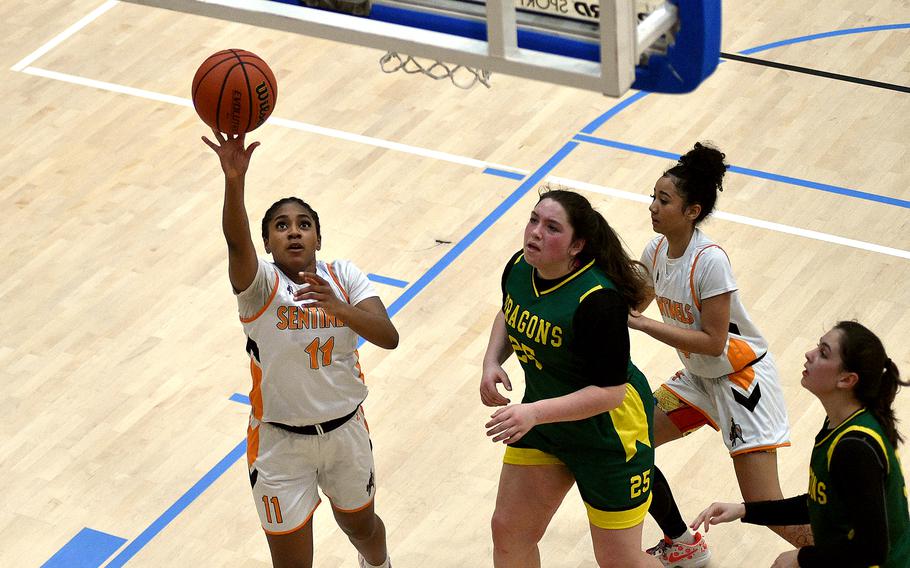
[[717, 347], [390, 340]]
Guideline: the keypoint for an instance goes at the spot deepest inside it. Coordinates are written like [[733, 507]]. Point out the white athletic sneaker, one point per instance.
[[364, 564], [680, 555]]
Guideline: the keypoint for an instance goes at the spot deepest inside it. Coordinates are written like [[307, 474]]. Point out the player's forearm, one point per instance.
[[689, 340], [585, 403], [234, 220], [376, 328], [498, 349]]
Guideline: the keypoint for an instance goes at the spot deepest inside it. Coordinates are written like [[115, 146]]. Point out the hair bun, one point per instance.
[[706, 162]]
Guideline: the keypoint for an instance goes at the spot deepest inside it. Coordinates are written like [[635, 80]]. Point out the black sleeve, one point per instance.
[[858, 477], [792, 511], [505, 274], [602, 337]]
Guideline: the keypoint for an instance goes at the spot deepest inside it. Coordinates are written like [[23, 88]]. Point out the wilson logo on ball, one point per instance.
[[234, 91]]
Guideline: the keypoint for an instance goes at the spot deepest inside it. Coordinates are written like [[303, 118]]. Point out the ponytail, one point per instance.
[[862, 353], [602, 245]]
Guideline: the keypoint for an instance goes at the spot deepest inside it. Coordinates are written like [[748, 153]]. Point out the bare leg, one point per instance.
[[664, 429], [756, 473], [621, 548], [528, 498], [292, 550], [366, 532]]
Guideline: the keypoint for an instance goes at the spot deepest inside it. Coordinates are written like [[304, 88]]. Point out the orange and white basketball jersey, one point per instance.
[[304, 362], [680, 286]]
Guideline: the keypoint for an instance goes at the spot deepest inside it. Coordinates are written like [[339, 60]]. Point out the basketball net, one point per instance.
[[462, 76]]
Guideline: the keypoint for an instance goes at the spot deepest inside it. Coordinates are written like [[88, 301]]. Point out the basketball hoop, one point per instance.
[[462, 76]]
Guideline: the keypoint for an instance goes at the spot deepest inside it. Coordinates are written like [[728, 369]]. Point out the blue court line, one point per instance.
[[824, 35], [600, 120], [624, 146], [421, 283], [241, 398], [386, 280], [453, 253], [504, 173], [182, 503], [755, 173], [88, 549], [614, 110]]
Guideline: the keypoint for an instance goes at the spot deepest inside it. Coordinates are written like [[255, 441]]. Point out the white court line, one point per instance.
[[63, 36], [743, 220], [107, 86], [396, 146], [293, 124]]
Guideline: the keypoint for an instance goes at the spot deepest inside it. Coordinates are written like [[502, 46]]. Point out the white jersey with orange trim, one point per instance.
[[304, 362], [680, 286]]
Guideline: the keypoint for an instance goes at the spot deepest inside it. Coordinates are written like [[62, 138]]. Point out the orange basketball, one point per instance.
[[234, 91]]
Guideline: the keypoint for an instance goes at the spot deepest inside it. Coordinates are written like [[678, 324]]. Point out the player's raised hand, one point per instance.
[[235, 158]]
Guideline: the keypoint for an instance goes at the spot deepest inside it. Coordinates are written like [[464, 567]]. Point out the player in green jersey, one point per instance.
[[857, 499], [587, 411]]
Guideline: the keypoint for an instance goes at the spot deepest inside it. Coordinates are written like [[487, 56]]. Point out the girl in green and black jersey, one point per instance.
[[857, 499], [587, 412]]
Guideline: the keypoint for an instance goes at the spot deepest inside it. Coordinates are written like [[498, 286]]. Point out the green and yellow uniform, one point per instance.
[[611, 454], [827, 512]]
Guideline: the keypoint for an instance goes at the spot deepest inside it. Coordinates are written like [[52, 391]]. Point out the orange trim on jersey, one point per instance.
[[740, 354], [360, 374], [657, 250], [708, 420], [340, 510], [298, 527], [760, 449], [252, 445], [267, 302], [695, 298], [338, 282], [256, 391]]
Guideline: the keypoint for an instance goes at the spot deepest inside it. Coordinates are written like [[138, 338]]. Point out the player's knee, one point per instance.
[[507, 529], [361, 528]]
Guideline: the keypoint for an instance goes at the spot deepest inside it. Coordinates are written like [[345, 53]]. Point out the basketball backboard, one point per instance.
[[609, 47]]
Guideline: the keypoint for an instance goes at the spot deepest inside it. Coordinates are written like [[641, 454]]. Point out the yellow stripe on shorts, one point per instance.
[[529, 456], [618, 519]]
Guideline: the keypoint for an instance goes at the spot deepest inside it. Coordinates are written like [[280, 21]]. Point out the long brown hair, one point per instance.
[[862, 352], [602, 244]]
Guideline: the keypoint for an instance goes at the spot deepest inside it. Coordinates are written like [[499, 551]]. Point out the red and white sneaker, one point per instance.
[[679, 555]]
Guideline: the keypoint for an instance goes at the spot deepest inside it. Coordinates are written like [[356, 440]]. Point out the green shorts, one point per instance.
[[611, 456], [615, 497]]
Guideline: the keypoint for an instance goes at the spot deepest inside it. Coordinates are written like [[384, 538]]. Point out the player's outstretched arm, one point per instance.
[[235, 160], [719, 513]]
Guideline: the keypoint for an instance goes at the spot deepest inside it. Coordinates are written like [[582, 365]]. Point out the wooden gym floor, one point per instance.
[[121, 353]]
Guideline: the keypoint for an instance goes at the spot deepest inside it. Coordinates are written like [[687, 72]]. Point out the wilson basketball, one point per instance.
[[234, 91]]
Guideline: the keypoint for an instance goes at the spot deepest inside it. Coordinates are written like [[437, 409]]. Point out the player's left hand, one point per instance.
[[510, 423], [787, 559], [319, 292]]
